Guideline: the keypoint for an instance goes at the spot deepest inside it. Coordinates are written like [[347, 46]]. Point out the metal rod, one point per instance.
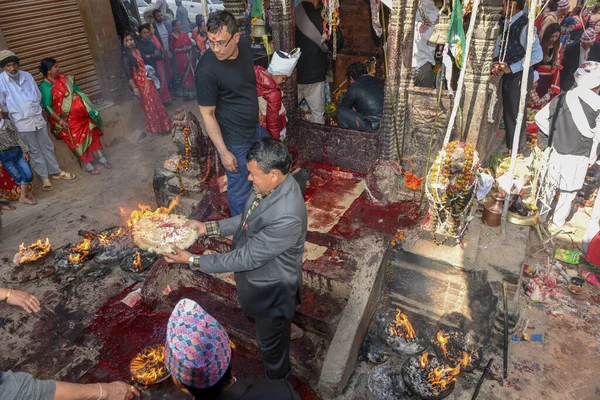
[[519, 122], [461, 77], [505, 303], [486, 371]]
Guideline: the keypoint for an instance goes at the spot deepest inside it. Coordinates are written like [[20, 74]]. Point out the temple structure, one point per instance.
[[409, 111]]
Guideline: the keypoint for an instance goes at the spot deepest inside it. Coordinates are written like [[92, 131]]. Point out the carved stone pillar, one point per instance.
[[237, 8], [284, 38], [399, 46], [481, 91]]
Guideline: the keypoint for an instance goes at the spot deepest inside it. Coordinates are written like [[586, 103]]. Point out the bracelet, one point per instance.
[[7, 295], [100, 398]]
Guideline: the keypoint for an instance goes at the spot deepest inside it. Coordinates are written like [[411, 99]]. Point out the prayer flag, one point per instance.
[[456, 33]]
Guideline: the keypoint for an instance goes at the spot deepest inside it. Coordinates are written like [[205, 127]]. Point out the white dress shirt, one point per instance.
[[21, 98], [536, 51]]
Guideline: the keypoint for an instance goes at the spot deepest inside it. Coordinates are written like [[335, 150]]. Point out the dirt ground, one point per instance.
[[68, 302]]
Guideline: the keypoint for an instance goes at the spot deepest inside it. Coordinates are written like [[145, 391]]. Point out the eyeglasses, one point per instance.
[[214, 45]]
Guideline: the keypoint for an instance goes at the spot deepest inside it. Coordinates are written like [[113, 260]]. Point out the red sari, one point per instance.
[[161, 67], [82, 135], [9, 190], [181, 47], [157, 118]]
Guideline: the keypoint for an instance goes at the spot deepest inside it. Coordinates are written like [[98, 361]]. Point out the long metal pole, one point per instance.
[[521, 114], [461, 77]]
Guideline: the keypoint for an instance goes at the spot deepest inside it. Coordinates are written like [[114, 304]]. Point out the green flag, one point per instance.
[[456, 33], [257, 9]]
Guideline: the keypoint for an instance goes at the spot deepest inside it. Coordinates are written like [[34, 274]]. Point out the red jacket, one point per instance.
[[275, 120]]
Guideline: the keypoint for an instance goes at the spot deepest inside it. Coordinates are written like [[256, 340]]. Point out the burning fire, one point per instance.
[[440, 378], [137, 263], [81, 251], [149, 365], [464, 359], [33, 252], [106, 239], [145, 211], [424, 361], [402, 327]]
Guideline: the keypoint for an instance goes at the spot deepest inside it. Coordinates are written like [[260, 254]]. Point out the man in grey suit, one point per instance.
[[266, 256]]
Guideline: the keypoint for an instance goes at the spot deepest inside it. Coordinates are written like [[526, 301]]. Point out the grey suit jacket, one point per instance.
[[267, 252]]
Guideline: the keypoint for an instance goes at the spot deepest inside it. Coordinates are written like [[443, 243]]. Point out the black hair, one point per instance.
[[144, 26], [355, 70], [520, 4], [596, 8], [552, 5], [270, 154], [46, 65], [576, 11], [199, 19], [127, 53], [174, 22], [155, 11], [219, 19], [550, 30], [213, 391]]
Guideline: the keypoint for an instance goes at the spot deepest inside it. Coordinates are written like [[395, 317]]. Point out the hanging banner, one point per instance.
[[456, 33]]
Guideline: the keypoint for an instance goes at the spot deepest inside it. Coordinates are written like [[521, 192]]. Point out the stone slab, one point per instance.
[[345, 346]]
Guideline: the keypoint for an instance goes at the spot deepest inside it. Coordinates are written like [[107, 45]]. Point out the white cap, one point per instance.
[[284, 63]]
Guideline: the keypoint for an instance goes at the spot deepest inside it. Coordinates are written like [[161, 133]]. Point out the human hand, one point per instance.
[[229, 161], [26, 301], [136, 92], [26, 157], [119, 391], [180, 256], [63, 122], [200, 226]]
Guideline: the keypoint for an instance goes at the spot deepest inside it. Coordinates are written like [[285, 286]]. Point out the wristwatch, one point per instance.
[[191, 261]]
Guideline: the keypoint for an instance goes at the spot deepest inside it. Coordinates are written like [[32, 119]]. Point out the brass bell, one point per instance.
[[440, 30], [258, 29]]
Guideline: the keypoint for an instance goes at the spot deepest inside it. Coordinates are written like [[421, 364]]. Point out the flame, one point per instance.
[[106, 239], [145, 211], [465, 360], [137, 263], [149, 365], [402, 327], [81, 251], [440, 378], [424, 361], [442, 339], [35, 251]]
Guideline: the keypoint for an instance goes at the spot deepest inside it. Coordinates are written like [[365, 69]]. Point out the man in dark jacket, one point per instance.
[[267, 250], [576, 53], [362, 106], [314, 61]]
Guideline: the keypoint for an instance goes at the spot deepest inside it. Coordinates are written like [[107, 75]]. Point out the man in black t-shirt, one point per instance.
[[226, 89]]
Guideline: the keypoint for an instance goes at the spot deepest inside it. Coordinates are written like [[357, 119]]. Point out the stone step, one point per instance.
[[319, 313], [306, 354]]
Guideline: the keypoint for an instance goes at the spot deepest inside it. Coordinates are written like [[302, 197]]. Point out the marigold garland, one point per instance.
[[184, 163]]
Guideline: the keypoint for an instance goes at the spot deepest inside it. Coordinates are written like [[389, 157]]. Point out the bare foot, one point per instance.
[[27, 200], [6, 206]]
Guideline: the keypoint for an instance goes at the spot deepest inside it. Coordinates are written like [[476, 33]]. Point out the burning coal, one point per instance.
[[453, 347], [145, 211], [137, 262], [402, 327], [33, 252], [81, 251], [428, 378], [108, 238], [148, 367]]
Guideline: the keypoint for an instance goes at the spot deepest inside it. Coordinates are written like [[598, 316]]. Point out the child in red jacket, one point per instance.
[[271, 110]]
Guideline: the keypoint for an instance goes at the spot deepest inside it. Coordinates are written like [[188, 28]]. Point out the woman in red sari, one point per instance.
[[72, 116], [162, 68], [181, 45], [157, 118]]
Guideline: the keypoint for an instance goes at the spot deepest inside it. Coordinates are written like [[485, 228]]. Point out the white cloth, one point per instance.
[[423, 51], [563, 208], [21, 98], [536, 51], [484, 185], [284, 63], [567, 172]]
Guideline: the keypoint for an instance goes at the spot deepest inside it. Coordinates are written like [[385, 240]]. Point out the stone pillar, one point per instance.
[[481, 90], [237, 8], [284, 38], [399, 46]]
